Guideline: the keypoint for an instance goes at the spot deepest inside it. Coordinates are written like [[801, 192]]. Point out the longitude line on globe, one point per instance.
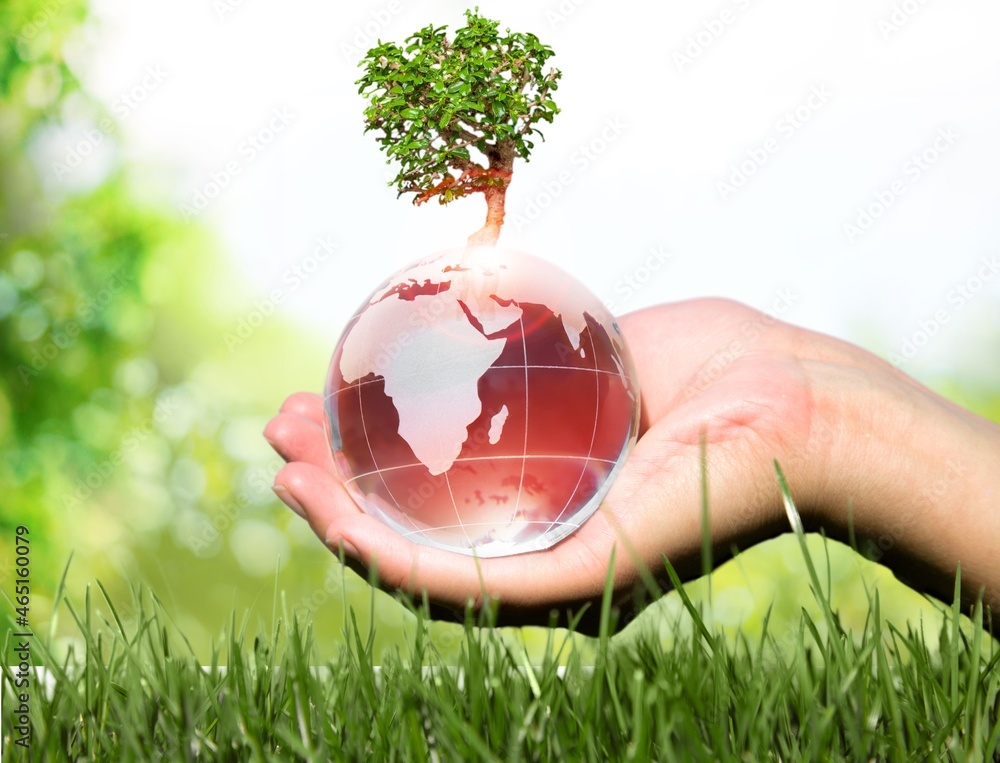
[[368, 442], [524, 449], [458, 516], [593, 435]]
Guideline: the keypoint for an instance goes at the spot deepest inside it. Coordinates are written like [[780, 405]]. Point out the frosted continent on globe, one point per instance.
[[481, 403]]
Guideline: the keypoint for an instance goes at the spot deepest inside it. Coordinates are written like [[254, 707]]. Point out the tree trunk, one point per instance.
[[501, 163], [490, 232]]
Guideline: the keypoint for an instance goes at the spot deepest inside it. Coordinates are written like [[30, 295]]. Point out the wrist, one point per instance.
[[914, 474]]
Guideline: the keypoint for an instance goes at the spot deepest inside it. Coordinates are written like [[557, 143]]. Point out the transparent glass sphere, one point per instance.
[[481, 402]]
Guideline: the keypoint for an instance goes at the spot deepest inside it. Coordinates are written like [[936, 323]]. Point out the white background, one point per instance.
[[697, 86]]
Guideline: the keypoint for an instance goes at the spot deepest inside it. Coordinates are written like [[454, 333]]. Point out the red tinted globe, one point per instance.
[[481, 402]]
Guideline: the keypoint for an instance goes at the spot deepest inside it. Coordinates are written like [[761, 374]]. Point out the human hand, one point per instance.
[[752, 388]]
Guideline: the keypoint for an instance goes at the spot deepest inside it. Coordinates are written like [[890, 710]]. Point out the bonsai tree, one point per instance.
[[436, 100]]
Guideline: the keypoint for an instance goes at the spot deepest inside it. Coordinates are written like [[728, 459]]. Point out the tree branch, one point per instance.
[[470, 138]]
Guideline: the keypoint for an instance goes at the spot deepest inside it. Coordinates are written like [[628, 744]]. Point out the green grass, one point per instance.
[[807, 690]]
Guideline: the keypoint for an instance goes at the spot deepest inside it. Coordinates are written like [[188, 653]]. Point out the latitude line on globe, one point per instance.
[[380, 377], [480, 458], [566, 368], [473, 524]]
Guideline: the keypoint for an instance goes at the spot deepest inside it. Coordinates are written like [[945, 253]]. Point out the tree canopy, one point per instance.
[[456, 113]]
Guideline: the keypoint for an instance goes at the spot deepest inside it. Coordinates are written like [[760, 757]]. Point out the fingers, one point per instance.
[[316, 495], [562, 573], [453, 578], [309, 485], [298, 433], [296, 439], [308, 405], [336, 520]]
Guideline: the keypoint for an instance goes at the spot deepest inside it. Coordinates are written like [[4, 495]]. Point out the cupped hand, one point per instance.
[[709, 370]]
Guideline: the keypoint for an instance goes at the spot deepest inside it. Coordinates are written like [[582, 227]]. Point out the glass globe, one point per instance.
[[481, 402]]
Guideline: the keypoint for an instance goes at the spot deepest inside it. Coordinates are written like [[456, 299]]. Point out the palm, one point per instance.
[[709, 370]]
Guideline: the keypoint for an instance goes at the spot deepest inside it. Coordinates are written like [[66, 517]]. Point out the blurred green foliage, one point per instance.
[[128, 434], [69, 297]]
